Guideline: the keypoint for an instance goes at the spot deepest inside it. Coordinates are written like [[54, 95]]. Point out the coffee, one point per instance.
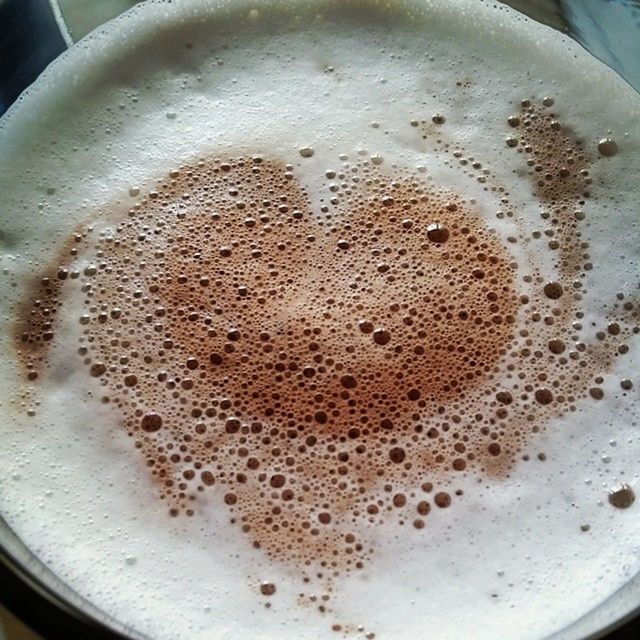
[[314, 306]]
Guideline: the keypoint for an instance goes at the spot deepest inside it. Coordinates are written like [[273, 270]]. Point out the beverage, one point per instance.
[[312, 307]]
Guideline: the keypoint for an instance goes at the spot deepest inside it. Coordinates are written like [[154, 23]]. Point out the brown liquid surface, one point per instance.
[[327, 371]]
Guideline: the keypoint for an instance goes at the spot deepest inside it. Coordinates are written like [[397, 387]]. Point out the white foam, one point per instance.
[[132, 101]]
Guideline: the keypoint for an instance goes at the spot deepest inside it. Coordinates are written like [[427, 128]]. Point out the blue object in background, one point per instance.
[[610, 30], [29, 40]]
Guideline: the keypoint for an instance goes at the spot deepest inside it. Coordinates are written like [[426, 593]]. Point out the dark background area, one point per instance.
[[29, 40]]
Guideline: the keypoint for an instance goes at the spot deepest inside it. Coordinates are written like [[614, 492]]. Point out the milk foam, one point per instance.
[[165, 84]]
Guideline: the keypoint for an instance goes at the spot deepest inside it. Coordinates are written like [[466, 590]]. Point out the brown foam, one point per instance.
[[325, 372]]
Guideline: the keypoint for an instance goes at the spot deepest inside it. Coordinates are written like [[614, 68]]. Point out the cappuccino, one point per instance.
[[320, 320]]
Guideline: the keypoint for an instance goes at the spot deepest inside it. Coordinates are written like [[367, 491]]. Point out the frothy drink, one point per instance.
[[320, 319]]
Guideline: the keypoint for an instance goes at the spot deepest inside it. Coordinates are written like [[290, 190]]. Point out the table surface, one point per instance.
[[12, 629]]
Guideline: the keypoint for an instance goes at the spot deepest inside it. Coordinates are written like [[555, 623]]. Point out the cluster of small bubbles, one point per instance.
[[324, 373]]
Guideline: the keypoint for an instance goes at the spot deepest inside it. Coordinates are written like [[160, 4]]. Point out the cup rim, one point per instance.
[[47, 612]]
